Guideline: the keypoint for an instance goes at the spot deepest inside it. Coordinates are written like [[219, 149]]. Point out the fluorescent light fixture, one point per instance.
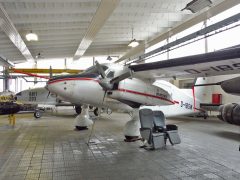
[[32, 37], [133, 43], [197, 5], [109, 58]]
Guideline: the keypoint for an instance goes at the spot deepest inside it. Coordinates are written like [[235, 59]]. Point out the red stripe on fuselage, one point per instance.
[[176, 102], [123, 90], [199, 109], [144, 94], [72, 79]]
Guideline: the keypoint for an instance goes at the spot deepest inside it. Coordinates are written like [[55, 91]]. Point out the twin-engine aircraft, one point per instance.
[[44, 99], [137, 85]]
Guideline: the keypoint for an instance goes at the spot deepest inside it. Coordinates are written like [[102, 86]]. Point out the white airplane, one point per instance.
[[229, 112], [136, 85], [44, 100]]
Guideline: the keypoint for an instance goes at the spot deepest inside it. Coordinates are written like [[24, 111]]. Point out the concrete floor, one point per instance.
[[48, 148]]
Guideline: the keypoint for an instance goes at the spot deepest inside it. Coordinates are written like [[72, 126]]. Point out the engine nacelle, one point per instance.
[[230, 113]]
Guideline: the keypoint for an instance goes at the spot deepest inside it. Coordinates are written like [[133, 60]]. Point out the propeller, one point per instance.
[[107, 83], [100, 70], [48, 94], [104, 81]]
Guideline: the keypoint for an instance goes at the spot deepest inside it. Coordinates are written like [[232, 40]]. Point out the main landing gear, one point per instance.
[[82, 121], [78, 109], [38, 113], [131, 129]]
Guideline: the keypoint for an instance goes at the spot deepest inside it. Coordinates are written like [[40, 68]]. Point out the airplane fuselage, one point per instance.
[[85, 89]]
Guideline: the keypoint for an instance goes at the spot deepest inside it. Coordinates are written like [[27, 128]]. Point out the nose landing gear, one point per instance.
[[82, 121]]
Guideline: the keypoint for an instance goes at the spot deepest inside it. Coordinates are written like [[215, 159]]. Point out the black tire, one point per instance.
[[96, 112], [78, 109], [37, 114], [80, 128]]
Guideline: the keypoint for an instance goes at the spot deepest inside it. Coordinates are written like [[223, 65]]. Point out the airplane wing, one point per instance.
[[220, 62]]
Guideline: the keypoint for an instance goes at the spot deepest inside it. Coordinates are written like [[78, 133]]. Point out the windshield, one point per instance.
[[94, 70]]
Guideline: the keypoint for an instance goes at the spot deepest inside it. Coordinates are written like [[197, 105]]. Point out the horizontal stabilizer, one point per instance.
[[210, 107]]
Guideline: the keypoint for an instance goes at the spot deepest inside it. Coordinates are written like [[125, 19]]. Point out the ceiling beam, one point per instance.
[[226, 4], [8, 27], [103, 12]]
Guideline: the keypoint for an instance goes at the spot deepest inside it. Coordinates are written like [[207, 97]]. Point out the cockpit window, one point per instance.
[[94, 70]]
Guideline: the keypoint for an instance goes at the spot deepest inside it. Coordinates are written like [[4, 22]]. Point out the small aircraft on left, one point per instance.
[[9, 106]]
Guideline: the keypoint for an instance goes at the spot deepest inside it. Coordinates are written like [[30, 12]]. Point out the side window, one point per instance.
[[110, 74]]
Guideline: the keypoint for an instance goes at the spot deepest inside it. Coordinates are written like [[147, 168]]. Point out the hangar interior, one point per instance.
[[68, 37]]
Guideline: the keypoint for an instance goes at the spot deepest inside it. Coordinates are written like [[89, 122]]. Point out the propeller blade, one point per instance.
[[48, 94], [100, 70], [121, 77], [104, 96]]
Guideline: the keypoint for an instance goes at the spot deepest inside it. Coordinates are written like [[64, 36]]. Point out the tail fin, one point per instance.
[[200, 91]]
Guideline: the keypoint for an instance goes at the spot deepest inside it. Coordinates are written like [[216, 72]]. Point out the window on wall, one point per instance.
[[226, 38], [219, 41], [158, 57], [187, 31], [223, 15], [197, 47]]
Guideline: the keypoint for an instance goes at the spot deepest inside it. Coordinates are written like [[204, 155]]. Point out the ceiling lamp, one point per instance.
[[31, 36], [197, 5], [109, 58], [133, 42]]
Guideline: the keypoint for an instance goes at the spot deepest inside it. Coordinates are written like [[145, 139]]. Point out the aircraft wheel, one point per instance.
[[37, 114], [80, 128], [78, 109], [96, 113]]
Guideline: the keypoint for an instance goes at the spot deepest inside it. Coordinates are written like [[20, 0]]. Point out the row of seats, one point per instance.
[[155, 131]]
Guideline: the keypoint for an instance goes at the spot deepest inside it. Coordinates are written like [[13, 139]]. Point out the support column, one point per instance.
[[6, 78], [35, 67]]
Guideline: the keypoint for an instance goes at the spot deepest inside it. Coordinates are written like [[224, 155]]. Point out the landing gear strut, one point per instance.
[[131, 129], [82, 121], [96, 112]]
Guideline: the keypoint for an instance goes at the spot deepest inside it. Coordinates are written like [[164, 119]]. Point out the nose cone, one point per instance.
[[53, 85]]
